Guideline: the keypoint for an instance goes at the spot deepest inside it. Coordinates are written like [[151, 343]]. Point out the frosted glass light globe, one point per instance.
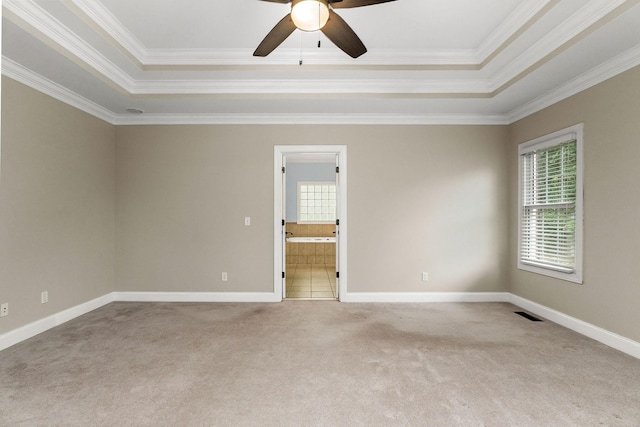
[[310, 15]]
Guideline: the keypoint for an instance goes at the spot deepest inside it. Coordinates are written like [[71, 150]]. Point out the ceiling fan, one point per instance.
[[314, 15]]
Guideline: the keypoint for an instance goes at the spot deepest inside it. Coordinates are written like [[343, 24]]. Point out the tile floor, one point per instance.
[[311, 281]]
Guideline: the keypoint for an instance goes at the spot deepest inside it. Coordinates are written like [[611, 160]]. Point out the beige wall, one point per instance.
[[427, 198], [420, 198], [610, 295], [56, 206], [182, 195]]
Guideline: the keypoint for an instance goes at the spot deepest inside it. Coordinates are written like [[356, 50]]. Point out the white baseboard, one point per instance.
[[32, 329], [611, 339], [425, 297], [196, 297]]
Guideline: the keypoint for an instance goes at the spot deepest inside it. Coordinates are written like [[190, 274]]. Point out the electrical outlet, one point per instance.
[[44, 297], [247, 220], [224, 276], [425, 276], [4, 309]]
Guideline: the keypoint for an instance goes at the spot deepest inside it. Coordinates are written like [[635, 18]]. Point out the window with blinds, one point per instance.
[[551, 205]]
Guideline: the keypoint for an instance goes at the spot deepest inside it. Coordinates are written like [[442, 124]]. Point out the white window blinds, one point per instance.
[[549, 206]]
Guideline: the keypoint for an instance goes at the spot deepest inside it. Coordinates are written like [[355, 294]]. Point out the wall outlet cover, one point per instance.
[[4, 309], [425, 276]]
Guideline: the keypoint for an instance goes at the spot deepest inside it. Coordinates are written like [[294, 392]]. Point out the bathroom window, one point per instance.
[[316, 202], [550, 205]]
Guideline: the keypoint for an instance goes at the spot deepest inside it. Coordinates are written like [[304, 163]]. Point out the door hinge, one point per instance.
[[337, 274], [283, 169], [337, 169], [283, 274], [283, 222], [337, 222]]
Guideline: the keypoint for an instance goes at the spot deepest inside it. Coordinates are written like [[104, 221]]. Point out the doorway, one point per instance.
[[309, 242]]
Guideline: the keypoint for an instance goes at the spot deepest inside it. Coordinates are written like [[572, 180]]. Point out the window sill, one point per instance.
[[574, 277]]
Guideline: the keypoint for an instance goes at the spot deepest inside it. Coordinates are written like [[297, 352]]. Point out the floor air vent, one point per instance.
[[528, 316]]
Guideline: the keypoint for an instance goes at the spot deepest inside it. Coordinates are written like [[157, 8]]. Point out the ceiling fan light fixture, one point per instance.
[[309, 15]]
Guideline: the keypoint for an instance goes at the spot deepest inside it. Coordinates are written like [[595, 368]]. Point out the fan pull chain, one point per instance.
[[319, 21], [300, 60]]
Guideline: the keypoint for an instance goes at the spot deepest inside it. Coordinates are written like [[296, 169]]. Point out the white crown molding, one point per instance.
[[40, 20], [27, 77], [576, 24], [35, 16], [393, 58], [599, 74], [521, 16], [97, 12], [35, 81], [595, 76], [310, 119], [311, 87], [56, 91], [47, 25]]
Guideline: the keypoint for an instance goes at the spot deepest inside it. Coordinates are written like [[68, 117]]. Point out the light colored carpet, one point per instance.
[[315, 363]]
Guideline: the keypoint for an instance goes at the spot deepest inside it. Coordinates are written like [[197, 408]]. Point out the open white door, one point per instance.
[[283, 209], [338, 192], [280, 155]]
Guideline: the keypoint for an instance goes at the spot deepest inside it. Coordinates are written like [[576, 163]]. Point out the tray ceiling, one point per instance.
[[428, 61]]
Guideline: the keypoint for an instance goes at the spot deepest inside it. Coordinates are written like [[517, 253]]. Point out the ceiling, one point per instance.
[[428, 61]]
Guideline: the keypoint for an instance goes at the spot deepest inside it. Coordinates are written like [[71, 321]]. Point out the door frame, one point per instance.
[[280, 151]]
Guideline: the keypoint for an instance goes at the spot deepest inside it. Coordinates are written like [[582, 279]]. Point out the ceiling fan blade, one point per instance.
[[278, 1], [276, 36], [341, 34], [344, 4]]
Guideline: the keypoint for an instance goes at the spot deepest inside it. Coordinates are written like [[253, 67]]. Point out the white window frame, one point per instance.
[[299, 199], [545, 142]]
